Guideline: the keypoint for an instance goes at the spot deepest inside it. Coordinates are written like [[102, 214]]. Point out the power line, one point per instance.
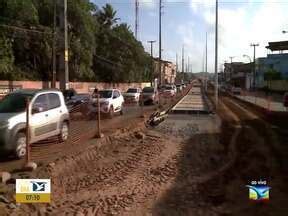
[[25, 29], [196, 2]]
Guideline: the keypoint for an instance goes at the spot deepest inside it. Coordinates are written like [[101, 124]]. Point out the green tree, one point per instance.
[[270, 75], [6, 57], [100, 47], [82, 43], [106, 16]]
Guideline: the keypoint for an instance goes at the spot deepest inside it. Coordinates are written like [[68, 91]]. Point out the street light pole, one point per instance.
[[206, 72], [53, 84], [160, 42], [151, 53], [231, 67], [63, 64], [216, 55], [176, 63], [182, 64], [254, 65], [250, 61]]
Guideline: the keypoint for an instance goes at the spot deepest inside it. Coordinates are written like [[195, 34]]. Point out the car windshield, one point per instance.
[[105, 93], [148, 90], [14, 103], [132, 90]]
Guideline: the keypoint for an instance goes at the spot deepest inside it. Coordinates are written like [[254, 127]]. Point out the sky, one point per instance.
[[185, 23]]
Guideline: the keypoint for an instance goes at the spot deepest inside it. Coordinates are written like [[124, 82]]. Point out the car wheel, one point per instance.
[[121, 110], [20, 150], [64, 132], [111, 112]]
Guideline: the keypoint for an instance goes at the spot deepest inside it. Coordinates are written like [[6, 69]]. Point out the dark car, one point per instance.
[[69, 93], [149, 95], [76, 102]]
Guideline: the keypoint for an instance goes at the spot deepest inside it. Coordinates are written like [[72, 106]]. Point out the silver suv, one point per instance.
[[48, 117]]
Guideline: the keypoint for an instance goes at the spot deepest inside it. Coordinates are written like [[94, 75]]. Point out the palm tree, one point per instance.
[[107, 15]]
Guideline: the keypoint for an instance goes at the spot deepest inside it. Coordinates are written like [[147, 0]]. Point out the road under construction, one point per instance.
[[194, 102], [190, 164]]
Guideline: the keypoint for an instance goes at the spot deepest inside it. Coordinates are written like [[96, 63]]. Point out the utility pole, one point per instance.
[[182, 63], [136, 18], [53, 84], [203, 63], [151, 46], [176, 63], [188, 65], [254, 65], [160, 41], [216, 55], [231, 67], [224, 72], [151, 53], [63, 60], [206, 72]]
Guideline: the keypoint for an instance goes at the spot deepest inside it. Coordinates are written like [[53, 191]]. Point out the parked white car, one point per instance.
[[179, 87], [48, 117], [169, 91], [111, 102], [236, 90], [132, 95]]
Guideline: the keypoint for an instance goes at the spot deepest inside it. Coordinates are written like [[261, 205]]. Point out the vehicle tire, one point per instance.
[[121, 111], [20, 142], [64, 132], [111, 112]]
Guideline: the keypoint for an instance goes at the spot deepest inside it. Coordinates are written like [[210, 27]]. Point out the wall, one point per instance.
[[278, 85], [278, 62], [80, 87]]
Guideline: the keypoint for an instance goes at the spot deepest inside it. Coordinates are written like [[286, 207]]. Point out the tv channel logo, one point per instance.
[[38, 186], [258, 191], [33, 190]]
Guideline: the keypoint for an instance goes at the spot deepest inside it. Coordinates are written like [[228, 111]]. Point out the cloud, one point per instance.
[[152, 14], [242, 26], [239, 25], [147, 4], [200, 6], [209, 17], [189, 35]]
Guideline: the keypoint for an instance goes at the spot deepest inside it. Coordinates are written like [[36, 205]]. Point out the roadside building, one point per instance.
[[168, 71], [238, 74], [275, 61]]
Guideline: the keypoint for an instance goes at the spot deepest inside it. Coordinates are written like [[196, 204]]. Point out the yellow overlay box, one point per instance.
[[33, 190]]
